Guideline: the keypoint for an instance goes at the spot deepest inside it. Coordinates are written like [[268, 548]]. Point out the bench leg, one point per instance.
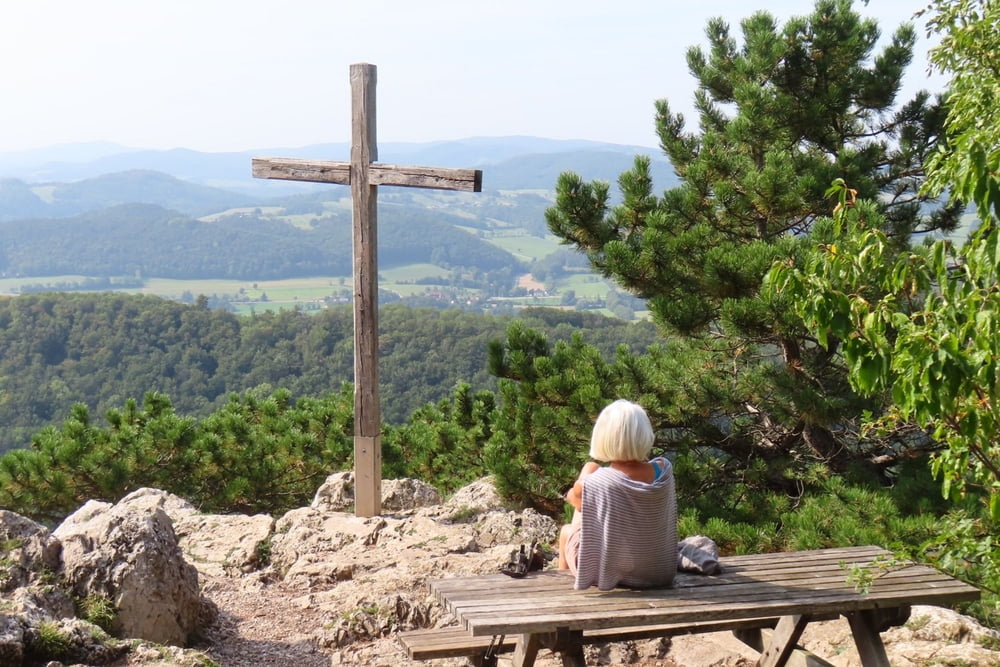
[[786, 635], [864, 627], [526, 650], [569, 644]]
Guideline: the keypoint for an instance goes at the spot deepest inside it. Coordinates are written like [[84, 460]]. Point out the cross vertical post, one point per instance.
[[364, 174], [364, 197]]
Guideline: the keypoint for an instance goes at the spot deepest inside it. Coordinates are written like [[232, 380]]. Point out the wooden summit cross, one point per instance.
[[364, 175]]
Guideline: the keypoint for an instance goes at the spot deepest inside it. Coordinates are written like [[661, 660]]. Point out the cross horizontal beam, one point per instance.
[[328, 171]]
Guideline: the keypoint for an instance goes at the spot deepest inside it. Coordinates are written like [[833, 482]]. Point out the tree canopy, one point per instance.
[[783, 111], [969, 51], [923, 326], [103, 349]]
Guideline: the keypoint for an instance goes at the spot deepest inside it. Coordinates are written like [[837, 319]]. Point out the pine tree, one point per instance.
[[780, 117]]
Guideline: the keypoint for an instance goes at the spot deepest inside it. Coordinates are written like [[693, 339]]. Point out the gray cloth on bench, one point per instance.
[[698, 554], [628, 535]]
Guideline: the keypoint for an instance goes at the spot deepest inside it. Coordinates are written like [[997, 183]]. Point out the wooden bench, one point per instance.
[[456, 642], [785, 591]]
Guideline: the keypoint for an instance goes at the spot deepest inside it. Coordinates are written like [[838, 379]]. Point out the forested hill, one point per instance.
[[19, 199], [101, 349], [147, 240]]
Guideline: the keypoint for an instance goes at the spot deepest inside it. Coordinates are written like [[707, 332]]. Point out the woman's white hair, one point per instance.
[[622, 432]]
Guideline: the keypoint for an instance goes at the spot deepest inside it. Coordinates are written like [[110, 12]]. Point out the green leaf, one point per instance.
[[868, 374]]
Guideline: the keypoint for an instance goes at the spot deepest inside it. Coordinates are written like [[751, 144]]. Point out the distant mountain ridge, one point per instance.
[[231, 171], [116, 211], [21, 200]]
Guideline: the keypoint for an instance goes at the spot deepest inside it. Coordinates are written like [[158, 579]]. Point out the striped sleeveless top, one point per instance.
[[628, 535]]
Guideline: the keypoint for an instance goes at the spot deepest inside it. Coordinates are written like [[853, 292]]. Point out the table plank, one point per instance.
[[918, 586], [811, 582], [597, 618], [544, 596], [759, 567]]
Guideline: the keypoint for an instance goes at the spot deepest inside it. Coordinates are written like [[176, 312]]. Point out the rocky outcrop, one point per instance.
[[320, 586], [27, 549], [225, 544], [143, 557], [336, 494], [931, 636], [128, 553], [38, 618]]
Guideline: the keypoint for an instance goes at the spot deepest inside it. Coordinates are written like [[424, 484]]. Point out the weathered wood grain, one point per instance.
[[364, 175], [364, 197], [329, 171], [438, 178], [312, 171], [796, 587]]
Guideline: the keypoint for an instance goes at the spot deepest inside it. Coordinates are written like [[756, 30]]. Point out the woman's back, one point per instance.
[[629, 527]]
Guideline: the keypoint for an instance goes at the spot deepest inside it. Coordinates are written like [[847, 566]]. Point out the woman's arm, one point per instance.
[[575, 495]]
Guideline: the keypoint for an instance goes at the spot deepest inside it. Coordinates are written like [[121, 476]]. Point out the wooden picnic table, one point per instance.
[[544, 611]]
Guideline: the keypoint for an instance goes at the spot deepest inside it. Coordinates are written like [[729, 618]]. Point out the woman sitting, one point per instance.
[[624, 528]]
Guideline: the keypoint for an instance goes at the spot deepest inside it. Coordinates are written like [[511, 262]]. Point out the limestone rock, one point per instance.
[[314, 546], [218, 544], [214, 543], [26, 549], [79, 642], [407, 494], [942, 636], [515, 528], [336, 494], [11, 640], [476, 498], [38, 604], [130, 554], [149, 499]]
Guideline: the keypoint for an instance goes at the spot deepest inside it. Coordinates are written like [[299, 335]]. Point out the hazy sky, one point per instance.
[[221, 75]]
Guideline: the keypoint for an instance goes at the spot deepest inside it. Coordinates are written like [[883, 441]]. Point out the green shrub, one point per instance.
[[967, 546], [835, 514], [47, 641], [256, 454], [97, 609]]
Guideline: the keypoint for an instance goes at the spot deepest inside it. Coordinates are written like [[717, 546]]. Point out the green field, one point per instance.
[[263, 210], [279, 293], [526, 247], [412, 272], [586, 285], [311, 293], [398, 279]]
